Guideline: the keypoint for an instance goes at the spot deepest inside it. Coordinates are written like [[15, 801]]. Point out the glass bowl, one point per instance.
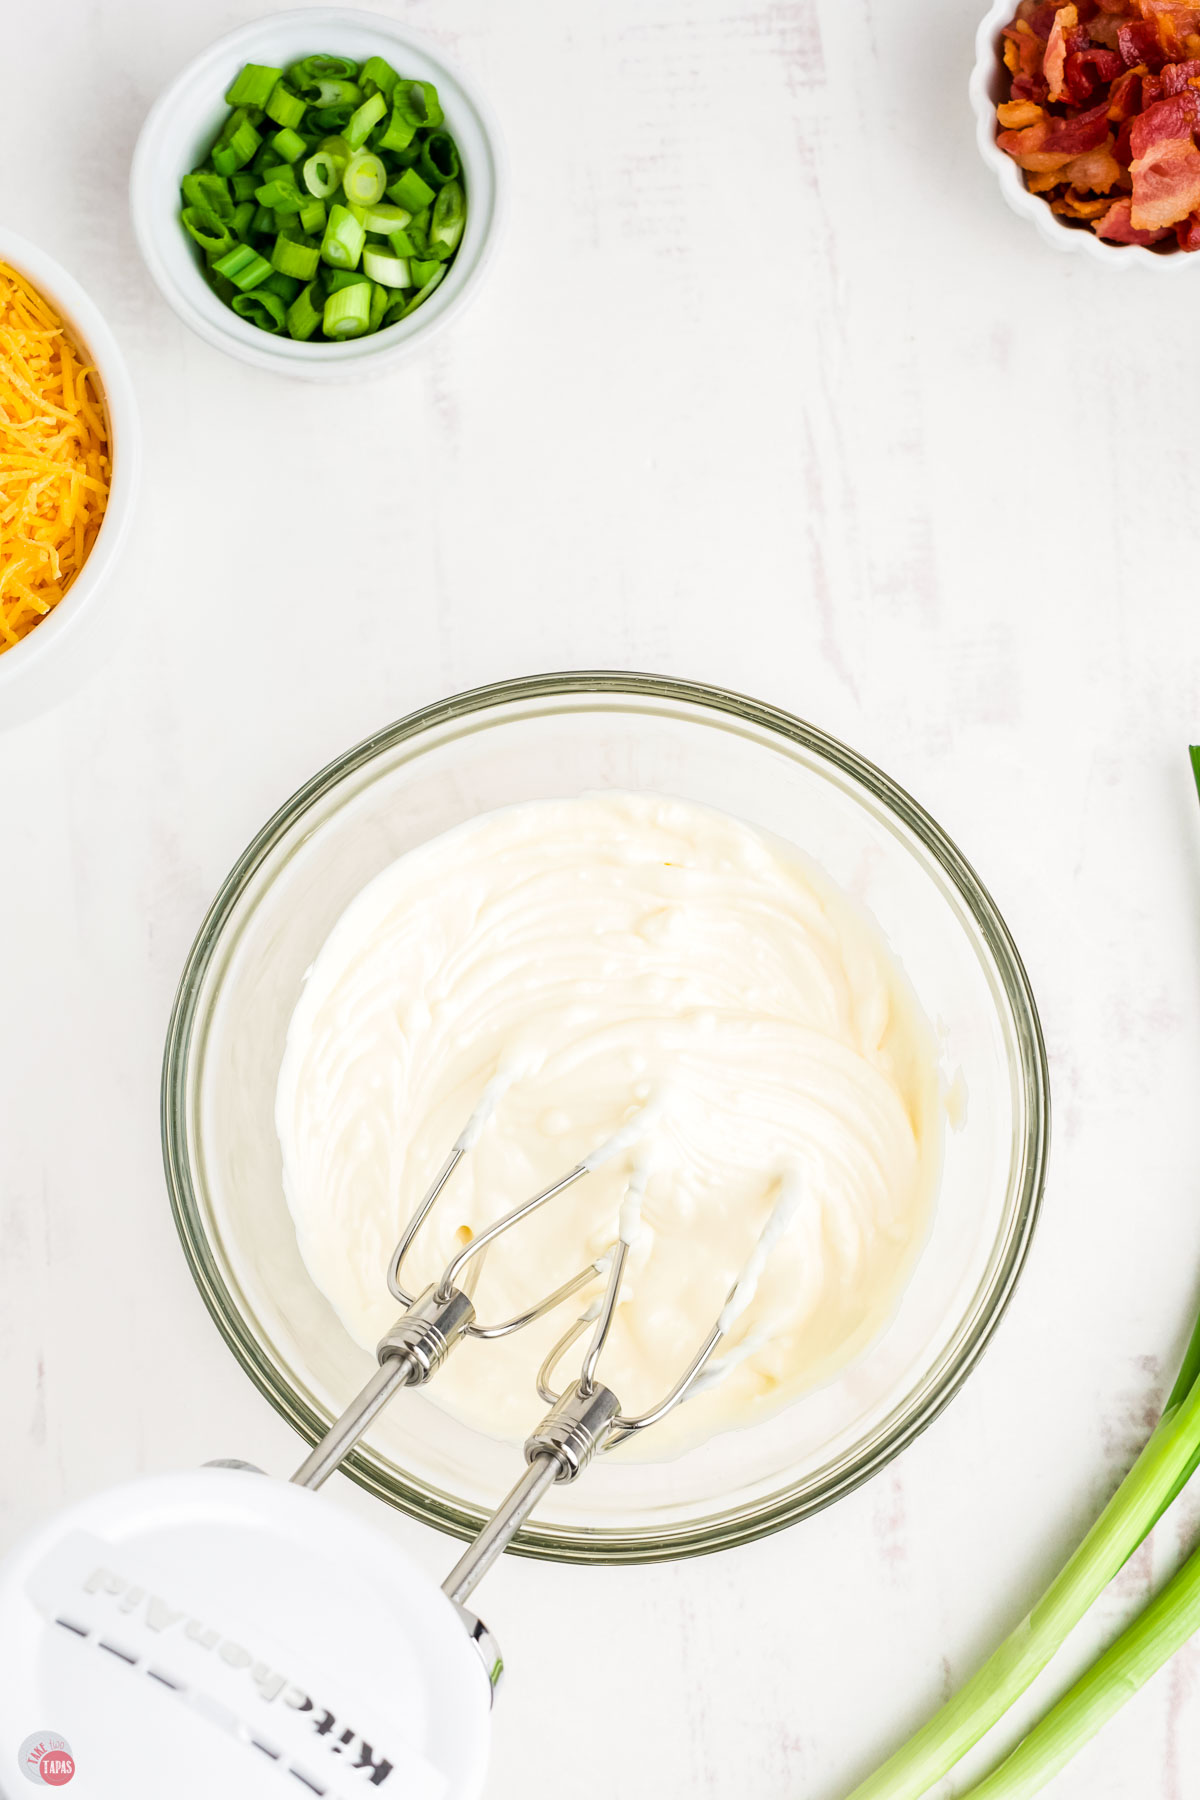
[[554, 736]]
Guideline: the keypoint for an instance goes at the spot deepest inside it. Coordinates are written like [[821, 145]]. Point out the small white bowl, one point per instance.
[[182, 124], [85, 322], [987, 88]]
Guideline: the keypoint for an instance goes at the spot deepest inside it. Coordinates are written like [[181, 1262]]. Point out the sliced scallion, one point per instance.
[[377, 77], [236, 144], [364, 178], [284, 106], [212, 234], [253, 87], [323, 174], [418, 102], [311, 217], [383, 219], [243, 266], [363, 120], [314, 68], [448, 218], [205, 188], [422, 294], [412, 191], [344, 238], [291, 257], [330, 90], [438, 162], [348, 311], [265, 310], [288, 144], [388, 270], [304, 314]]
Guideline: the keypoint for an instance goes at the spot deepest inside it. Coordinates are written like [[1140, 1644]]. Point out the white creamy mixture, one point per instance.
[[619, 952]]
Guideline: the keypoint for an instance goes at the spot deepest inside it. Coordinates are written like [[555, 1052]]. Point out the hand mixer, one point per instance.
[[219, 1635]]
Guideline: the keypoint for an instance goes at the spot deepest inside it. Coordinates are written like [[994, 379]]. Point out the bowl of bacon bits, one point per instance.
[[1090, 115]]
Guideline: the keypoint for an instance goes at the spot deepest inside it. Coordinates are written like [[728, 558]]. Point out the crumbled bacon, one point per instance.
[[1103, 115]]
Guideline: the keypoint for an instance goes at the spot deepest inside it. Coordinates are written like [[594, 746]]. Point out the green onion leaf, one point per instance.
[[236, 144], [212, 234], [311, 217], [363, 120], [292, 257], [399, 132], [448, 218], [315, 68], [204, 188], [383, 219], [364, 179], [304, 315], [343, 241], [330, 91], [411, 191], [348, 311], [422, 294], [438, 162], [377, 77], [244, 267], [417, 101], [388, 270], [284, 106], [288, 144], [253, 87]]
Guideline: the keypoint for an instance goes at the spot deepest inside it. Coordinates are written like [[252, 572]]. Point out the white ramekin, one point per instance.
[[87, 327], [987, 89], [182, 124]]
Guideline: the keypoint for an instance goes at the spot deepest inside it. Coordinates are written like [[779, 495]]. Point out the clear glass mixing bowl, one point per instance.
[[561, 735]]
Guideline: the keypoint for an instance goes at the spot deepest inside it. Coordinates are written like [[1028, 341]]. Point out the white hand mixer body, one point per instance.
[[219, 1635]]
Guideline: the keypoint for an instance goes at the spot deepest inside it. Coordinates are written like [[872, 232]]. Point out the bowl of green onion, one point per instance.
[[318, 193]]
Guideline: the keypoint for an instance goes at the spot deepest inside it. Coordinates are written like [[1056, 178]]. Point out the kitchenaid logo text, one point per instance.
[[158, 1616]]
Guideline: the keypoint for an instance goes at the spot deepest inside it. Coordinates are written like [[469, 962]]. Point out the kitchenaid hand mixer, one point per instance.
[[219, 1632]]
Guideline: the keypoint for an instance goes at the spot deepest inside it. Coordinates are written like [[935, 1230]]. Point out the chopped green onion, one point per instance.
[[399, 133], [312, 217], [343, 241], [348, 311], [285, 106], [204, 188], [364, 119], [289, 206], [422, 294], [411, 191], [323, 174], [418, 101], [388, 270], [439, 159], [383, 218], [448, 218], [279, 191], [303, 315], [253, 86], [364, 178], [212, 234], [329, 90], [288, 144], [236, 144], [243, 266], [290, 257], [377, 77], [313, 68]]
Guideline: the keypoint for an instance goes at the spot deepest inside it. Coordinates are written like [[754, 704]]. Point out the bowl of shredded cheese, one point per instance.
[[69, 453]]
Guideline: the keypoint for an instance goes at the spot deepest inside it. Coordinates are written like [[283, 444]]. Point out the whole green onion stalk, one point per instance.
[[1169, 1458]]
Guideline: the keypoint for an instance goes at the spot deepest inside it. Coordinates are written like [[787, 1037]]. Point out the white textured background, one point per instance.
[[768, 388]]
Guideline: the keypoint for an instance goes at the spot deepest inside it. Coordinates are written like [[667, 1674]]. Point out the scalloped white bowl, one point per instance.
[[185, 118], [986, 89]]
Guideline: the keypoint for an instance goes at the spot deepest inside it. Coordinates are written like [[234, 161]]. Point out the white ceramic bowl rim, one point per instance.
[[984, 90], [88, 328], [189, 111]]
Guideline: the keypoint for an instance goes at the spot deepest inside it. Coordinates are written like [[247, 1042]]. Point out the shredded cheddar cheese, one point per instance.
[[55, 463]]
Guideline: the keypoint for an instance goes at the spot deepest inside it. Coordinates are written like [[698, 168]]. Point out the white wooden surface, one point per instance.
[[768, 388]]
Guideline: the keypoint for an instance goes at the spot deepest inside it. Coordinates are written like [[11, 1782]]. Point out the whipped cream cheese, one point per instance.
[[606, 956]]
